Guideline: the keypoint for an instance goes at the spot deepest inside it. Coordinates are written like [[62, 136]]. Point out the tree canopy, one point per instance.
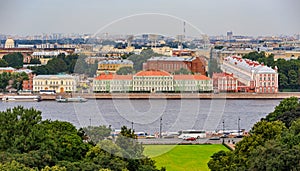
[[125, 71], [14, 60], [138, 60], [3, 63], [274, 143], [30, 143]]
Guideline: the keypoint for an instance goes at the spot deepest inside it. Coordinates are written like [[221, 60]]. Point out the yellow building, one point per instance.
[[59, 83], [112, 66]]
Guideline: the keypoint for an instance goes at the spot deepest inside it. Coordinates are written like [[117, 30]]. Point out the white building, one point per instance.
[[152, 81]]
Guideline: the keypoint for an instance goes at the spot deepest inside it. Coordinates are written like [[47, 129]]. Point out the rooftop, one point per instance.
[[153, 73], [190, 77], [249, 65], [170, 58], [54, 77], [125, 61], [7, 68], [113, 77]]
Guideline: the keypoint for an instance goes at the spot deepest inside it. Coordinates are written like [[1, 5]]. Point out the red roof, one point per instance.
[[190, 77], [153, 73], [113, 77]]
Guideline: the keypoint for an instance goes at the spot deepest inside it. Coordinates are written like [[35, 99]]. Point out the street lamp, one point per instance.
[[160, 126], [132, 126], [239, 126]]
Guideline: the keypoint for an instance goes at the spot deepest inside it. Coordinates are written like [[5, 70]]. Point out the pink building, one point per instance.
[[254, 76], [224, 82]]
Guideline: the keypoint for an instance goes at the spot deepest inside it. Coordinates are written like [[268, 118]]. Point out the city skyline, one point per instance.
[[253, 18]]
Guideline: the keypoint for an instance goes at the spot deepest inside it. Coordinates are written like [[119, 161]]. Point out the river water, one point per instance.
[[145, 114]]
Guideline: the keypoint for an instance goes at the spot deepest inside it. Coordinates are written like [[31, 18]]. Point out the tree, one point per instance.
[[35, 61], [81, 66], [125, 71], [4, 78], [97, 133], [3, 63], [15, 166], [293, 78], [56, 65], [285, 105], [283, 81], [138, 60], [16, 125], [28, 143], [14, 60], [271, 145], [213, 66]]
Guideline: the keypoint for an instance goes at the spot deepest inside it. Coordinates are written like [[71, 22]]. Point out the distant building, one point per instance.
[[152, 81], [59, 83], [229, 35], [224, 82], [9, 43], [172, 64], [112, 83], [256, 77], [192, 83], [28, 84], [7, 69], [112, 66], [183, 52]]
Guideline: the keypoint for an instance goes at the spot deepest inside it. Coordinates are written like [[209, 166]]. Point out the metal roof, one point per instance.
[[125, 61], [170, 58]]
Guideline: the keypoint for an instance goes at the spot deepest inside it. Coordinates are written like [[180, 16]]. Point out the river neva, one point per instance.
[[144, 115]]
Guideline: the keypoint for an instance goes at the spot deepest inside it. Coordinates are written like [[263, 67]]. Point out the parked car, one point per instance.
[[150, 137], [190, 139]]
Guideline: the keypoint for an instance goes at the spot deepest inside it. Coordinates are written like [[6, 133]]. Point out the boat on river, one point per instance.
[[21, 98], [71, 99]]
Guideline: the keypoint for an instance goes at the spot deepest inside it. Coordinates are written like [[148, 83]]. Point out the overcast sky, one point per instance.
[[212, 17]]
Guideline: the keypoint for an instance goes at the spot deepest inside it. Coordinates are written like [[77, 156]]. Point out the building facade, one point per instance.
[[28, 84], [255, 77], [224, 82], [192, 83], [112, 83], [173, 64], [152, 81], [59, 83], [112, 66]]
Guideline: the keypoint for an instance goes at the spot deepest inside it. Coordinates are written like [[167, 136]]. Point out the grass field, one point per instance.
[[182, 157]]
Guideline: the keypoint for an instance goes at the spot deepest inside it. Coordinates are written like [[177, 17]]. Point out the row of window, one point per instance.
[[151, 78], [266, 84], [152, 83], [61, 82], [183, 88], [36, 88]]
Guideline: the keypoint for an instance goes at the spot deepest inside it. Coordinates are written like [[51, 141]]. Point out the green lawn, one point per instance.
[[182, 157]]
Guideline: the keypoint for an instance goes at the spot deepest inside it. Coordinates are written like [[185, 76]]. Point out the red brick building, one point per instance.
[[172, 64], [28, 84]]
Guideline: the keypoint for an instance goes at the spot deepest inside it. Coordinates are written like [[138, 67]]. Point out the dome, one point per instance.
[[9, 43]]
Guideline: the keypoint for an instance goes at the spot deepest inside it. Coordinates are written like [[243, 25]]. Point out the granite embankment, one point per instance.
[[178, 96]]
